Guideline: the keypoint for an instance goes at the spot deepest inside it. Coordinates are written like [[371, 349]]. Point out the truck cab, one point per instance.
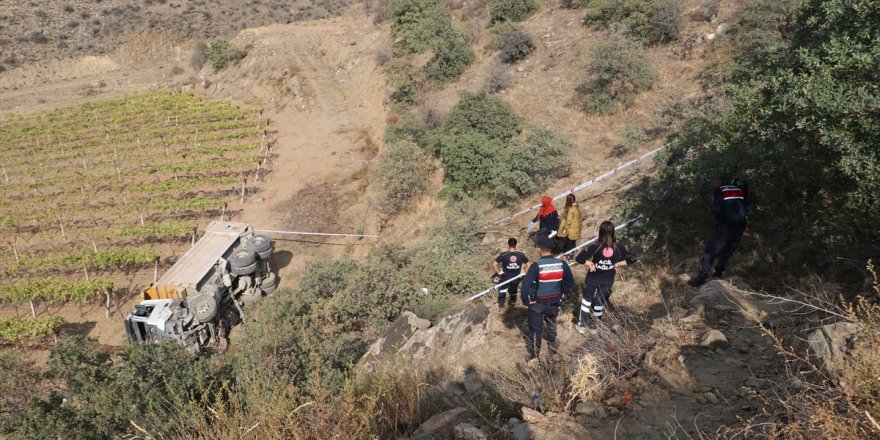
[[208, 289]]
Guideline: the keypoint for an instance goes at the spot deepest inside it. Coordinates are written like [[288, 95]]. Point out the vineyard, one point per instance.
[[92, 192]]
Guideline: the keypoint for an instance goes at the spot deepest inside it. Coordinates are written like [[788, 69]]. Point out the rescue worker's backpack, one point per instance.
[[733, 204]]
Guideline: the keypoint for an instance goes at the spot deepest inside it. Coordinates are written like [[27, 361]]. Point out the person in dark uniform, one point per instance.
[[546, 282], [509, 265], [731, 209], [602, 259]]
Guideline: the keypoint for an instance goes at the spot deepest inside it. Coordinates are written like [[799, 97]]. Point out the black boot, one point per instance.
[[718, 273], [699, 280]]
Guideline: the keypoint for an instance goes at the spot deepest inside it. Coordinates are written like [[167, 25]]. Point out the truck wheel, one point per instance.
[[261, 245], [230, 315], [204, 307], [269, 284], [251, 299], [242, 258], [247, 270]]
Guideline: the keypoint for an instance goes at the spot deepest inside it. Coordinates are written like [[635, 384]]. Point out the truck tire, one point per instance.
[[251, 299], [247, 270], [269, 284], [242, 258], [203, 307], [261, 245], [231, 316]]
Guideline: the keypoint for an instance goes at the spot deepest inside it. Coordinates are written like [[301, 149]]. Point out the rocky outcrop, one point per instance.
[[719, 297], [831, 344], [440, 426], [411, 337], [394, 337]]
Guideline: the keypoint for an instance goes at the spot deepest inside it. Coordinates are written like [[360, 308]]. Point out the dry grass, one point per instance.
[[816, 404]]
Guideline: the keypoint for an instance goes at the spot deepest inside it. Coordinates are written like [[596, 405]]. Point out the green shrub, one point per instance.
[[632, 137], [648, 21], [150, 385], [418, 23], [483, 156], [617, 71], [513, 45], [220, 53], [402, 176], [407, 126], [452, 55], [510, 10], [405, 79], [484, 114], [802, 128]]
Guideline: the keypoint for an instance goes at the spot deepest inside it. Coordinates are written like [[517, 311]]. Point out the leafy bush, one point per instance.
[[513, 45], [632, 137], [220, 53], [452, 55], [510, 10], [147, 385], [405, 125], [483, 114], [418, 23], [648, 21], [482, 155], [402, 176], [802, 128], [405, 79], [618, 70]]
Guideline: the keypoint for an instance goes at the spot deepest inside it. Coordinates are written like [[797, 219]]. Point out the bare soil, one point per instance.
[[58, 29]]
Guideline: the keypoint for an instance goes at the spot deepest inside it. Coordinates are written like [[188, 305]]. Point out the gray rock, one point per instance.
[[714, 337], [472, 383], [718, 298], [440, 426], [453, 335], [722, 28], [532, 416], [831, 344], [466, 431], [613, 400], [588, 408], [600, 412], [711, 398], [613, 411], [733, 362], [523, 431], [395, 336], [754, 382]]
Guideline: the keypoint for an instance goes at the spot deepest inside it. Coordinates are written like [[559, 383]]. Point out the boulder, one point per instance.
[[453, 336], [440, 426], [718, 298], [831, 343], [713, 337], [395, 336], [522, 431], [466, 431], [532, 416]]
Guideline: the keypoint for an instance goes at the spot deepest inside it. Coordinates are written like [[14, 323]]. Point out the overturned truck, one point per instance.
[[207, 291]]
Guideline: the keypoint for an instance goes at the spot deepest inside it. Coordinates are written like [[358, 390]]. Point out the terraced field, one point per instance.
[[94, 191]]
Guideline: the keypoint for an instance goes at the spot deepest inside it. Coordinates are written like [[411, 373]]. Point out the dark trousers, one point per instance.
[[567, 244], [539, 316], [596, 294], [508, 289], [724, 241]]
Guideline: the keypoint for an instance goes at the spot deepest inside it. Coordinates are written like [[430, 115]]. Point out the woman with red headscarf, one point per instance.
[[547, 218]]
